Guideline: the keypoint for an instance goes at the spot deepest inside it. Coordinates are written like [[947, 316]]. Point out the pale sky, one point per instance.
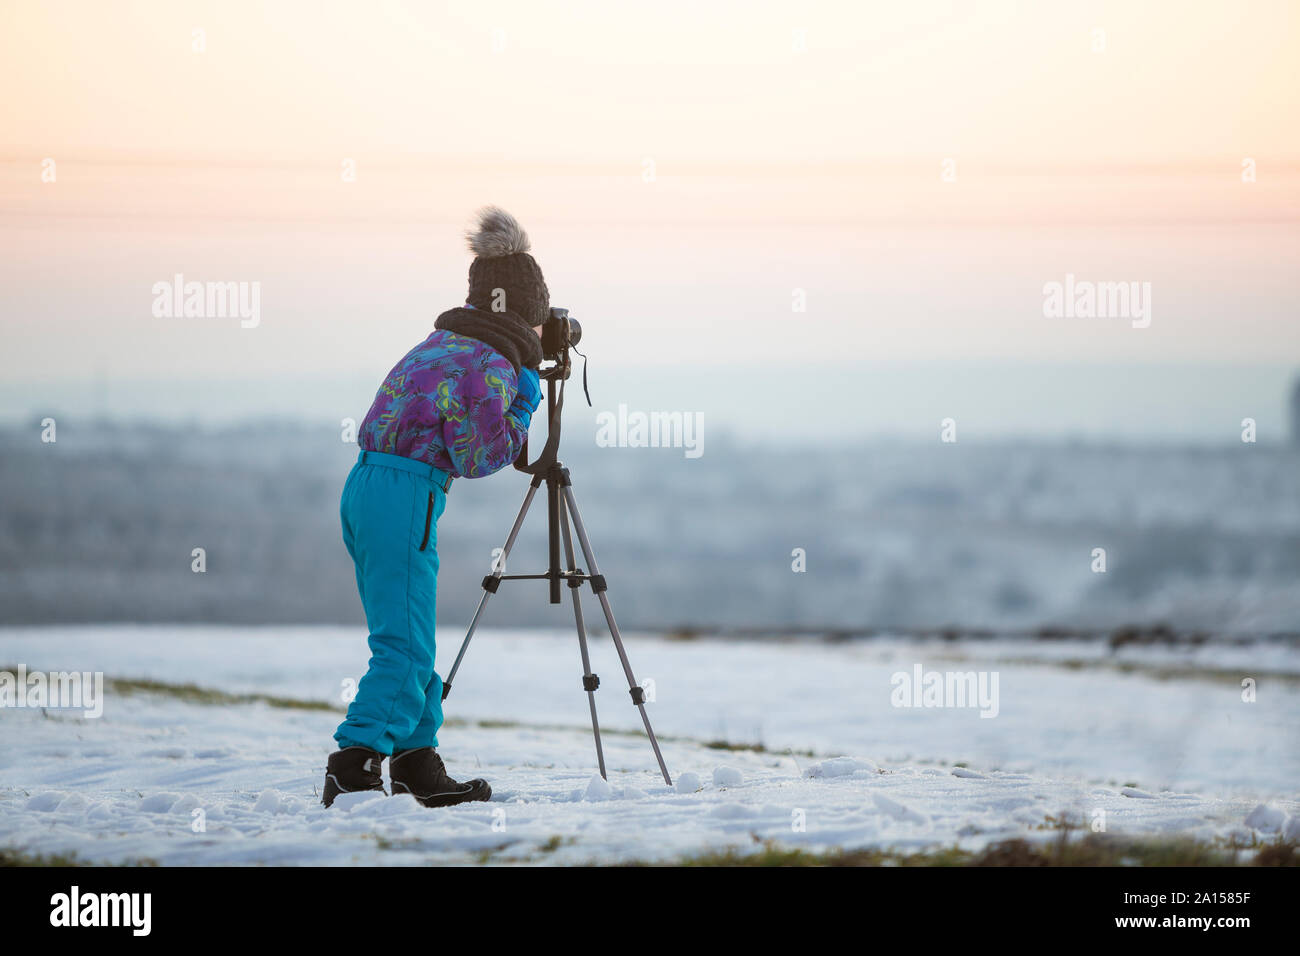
[[687, 172], [742, 81]]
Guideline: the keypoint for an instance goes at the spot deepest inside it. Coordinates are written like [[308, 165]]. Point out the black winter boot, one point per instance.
[[352, 769], [420, 773]]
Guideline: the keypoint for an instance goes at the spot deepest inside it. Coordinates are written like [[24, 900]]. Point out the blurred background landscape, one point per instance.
[[898, 535]]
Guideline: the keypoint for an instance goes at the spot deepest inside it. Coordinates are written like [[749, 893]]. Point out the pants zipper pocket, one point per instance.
[[428, 522]]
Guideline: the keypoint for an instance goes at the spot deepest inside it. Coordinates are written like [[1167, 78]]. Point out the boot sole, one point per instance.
[[472, 792]]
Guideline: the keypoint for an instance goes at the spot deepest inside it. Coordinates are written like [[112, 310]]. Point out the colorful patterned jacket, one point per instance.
[[451, 401]]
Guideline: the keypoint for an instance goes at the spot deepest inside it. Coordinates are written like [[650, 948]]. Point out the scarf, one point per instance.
[[504, 331]]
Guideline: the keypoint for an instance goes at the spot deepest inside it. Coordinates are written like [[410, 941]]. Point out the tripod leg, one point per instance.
[[598, 586], [491, 582], [589, 680]]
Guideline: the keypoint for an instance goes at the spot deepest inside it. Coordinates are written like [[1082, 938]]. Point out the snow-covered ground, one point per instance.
[[1159, 740]]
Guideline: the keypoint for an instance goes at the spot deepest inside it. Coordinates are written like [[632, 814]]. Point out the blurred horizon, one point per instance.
[[968, 538], [1130, 405]]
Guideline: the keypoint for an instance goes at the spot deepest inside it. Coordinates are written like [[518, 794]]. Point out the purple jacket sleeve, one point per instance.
[[483, 433]]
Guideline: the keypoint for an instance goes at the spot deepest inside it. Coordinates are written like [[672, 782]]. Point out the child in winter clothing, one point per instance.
[[457, 405]]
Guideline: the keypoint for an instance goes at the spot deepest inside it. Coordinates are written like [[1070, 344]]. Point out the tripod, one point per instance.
[[561, 509]]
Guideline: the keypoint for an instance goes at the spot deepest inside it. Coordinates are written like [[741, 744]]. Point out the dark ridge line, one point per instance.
[[1138, 634]]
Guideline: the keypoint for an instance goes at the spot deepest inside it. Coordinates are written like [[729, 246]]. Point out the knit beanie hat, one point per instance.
[[501, 262]]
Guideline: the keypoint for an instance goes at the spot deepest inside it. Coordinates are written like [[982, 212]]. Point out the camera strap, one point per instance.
[[585, 390]]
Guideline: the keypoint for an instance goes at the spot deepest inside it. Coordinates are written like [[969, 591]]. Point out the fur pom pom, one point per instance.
[[498, 234]]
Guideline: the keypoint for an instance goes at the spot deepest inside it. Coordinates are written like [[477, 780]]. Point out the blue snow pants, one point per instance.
[[390, 510]]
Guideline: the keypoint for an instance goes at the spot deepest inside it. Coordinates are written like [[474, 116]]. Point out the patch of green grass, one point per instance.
[[485, 855], [492, 854], [738, 747], [195, 694], [554, 843], [1057, 823], [772, 854], [1278, 854], [1092, 850], [497, 724], [1155, 670], [16, 856]]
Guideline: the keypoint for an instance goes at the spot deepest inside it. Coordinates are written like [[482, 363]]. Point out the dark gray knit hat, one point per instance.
[[501, 261]]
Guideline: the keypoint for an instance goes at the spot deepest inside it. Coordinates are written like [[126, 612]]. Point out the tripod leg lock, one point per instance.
[[590, 681], [490, 583], [598, 583], [638, 695]]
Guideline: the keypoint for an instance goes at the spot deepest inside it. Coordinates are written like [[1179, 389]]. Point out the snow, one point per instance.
[[688, 782], [1137, 794], [1268, 819], [820, 759], [597, 789], [727, 777], [840, 767], [898, 810], [157, 803]]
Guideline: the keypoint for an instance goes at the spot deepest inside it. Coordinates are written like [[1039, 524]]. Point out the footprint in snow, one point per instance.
[[839, 767], [1265, 818], [159, 802], [898, 811], [45, 802]]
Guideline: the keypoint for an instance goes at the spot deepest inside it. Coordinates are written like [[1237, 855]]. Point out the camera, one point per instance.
[[559, 331]]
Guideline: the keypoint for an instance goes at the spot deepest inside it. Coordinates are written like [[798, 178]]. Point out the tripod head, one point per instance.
[[558, 372]]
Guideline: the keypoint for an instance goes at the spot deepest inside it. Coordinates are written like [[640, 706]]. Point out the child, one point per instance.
[[458, 405]]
